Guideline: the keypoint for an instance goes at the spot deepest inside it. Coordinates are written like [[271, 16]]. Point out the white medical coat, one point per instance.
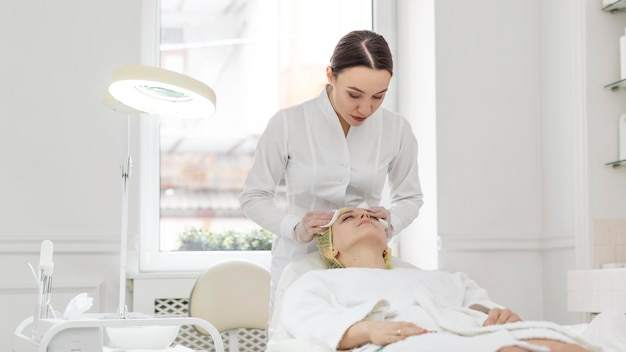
[[325, 170]]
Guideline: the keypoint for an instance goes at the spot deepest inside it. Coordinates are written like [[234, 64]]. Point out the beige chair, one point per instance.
[[233, 295]]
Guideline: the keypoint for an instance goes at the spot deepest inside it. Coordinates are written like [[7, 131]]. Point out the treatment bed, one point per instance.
[[606, 333]]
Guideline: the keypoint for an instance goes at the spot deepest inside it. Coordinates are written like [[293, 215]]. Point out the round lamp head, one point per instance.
[[161, 92]]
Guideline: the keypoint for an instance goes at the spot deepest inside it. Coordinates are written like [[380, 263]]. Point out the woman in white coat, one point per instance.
[[334, 150]]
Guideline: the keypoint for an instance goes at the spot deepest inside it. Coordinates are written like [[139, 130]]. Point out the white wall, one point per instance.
[[607, 194], [489, 146], [508, 158], [60, 148], [415, 63], [523, 129], [564, 142], [579, 46]]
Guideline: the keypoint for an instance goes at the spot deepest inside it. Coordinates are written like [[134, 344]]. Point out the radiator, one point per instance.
[[170, 296]]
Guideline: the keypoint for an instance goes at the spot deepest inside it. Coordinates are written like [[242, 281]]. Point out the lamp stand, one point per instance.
[[126, 169], [139, 89]]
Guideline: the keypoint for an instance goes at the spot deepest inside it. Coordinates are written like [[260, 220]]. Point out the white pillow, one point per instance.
[[312, 261]]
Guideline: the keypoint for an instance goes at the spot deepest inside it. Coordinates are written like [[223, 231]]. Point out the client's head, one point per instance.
[[357, 238]]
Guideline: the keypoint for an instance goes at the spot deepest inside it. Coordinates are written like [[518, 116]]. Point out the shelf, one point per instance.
[[616, 163], [617, 84], [616, 6], [595, 290]]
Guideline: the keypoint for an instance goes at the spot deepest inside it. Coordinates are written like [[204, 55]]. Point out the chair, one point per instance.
[[234, 296]]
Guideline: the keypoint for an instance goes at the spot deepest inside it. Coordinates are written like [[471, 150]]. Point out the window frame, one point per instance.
[[149, 256]]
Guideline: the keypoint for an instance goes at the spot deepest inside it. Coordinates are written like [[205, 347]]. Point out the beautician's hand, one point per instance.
[[378, 332], [499, 316], [384, 214], [311, 224]]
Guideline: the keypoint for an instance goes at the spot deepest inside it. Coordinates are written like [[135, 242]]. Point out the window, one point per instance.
[[258, 56]]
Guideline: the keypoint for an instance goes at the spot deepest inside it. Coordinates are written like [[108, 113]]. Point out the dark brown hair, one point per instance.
[[361, 48]]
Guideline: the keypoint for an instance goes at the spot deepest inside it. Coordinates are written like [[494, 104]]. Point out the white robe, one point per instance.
[[322, 304]]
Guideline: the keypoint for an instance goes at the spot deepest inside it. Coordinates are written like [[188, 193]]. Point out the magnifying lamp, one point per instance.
[[136, 89]]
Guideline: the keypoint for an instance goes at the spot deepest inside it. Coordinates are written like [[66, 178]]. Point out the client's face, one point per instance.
[[358, 226]]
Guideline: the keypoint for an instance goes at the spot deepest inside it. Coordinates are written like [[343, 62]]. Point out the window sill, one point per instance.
[[165, 275]]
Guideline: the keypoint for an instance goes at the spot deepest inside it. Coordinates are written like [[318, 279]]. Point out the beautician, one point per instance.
[[335, 150]]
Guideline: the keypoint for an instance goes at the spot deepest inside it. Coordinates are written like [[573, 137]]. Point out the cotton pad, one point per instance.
[[333, 219], [336, 215]]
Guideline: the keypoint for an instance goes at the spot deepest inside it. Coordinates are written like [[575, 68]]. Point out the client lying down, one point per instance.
[[364, 306]]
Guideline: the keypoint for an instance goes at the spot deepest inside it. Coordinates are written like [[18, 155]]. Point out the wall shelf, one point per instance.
[[616, 163], [616, 6], [617, 84]]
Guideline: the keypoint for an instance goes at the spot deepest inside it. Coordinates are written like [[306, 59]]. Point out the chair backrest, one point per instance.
[[233, 293]]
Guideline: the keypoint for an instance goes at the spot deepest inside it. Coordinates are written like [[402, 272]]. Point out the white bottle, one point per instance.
[[622, 137], [622, 55]]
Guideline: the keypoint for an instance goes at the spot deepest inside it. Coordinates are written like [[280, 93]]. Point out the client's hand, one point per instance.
[[379, 333], [497, 316], [513, 349], [311, 224]]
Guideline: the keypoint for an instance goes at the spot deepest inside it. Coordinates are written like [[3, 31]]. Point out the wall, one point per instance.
[[579, 46], [563, 174], [523, 129], [417, 87], [607, 194], [489, 147], [61, 149]]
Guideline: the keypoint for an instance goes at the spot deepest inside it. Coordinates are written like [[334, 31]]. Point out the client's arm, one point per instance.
[[311, 311], [377, 332], [496, 314]]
